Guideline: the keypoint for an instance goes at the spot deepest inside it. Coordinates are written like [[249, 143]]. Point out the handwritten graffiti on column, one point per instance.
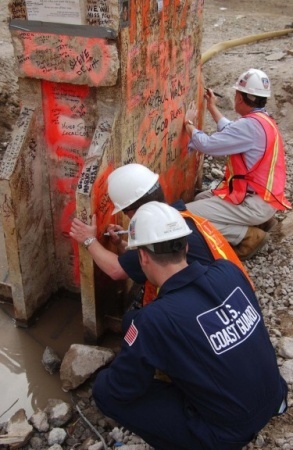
[[172, 16], [79, 60], [160, 77], [68, 136], [100, 198], [159, 138]]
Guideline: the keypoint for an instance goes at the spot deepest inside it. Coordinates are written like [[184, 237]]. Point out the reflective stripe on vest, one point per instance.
[[271, 175], [218, 245]]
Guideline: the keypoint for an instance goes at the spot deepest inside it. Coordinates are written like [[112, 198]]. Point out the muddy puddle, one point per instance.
[[23, 379]]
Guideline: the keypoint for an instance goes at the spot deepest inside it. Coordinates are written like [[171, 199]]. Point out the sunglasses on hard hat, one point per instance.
[[127, 210]]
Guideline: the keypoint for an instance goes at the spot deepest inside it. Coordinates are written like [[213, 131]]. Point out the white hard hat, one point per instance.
[[156, 222], [129, 183], [254, 82]]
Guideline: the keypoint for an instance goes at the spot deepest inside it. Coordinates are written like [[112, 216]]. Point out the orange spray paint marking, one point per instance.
[[53, 57], [181, 176], [66, 150], [133, 26], [172, 190], [101, 202], [145, 13]]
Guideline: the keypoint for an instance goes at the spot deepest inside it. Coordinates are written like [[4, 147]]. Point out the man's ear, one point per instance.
[[144, 257], [239, 97]]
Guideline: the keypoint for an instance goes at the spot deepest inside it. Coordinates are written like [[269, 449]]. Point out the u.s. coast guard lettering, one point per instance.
[[230, 323]]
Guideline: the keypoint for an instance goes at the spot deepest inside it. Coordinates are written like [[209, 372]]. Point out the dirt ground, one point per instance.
[[225, 21]]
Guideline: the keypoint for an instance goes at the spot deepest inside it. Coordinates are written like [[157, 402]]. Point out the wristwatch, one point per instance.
[[88, 241], [188, 122]]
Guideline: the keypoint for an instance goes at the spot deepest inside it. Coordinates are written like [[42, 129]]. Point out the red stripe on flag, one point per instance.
[[131, 334]]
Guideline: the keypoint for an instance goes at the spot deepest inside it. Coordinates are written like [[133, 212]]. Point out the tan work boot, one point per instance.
[[269, 225], [253, 241]]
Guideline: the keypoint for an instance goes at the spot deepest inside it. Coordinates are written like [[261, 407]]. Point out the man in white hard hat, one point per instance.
[[129, 187], [206, 332], [244, 203]]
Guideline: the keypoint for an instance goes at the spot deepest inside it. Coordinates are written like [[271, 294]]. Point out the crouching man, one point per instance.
[[206, 332]]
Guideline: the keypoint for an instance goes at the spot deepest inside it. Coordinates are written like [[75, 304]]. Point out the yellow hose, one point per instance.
[[217, 48]]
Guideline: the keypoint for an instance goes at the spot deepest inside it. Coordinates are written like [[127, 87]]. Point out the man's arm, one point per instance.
[[192, 113], [132, 371], [106, 260], [212, 107]]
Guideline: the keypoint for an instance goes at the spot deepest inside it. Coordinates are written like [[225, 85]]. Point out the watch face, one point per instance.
[[88, 241]]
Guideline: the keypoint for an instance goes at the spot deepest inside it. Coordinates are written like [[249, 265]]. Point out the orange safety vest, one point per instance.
[[150, 293], [218, 245], [266, 177]]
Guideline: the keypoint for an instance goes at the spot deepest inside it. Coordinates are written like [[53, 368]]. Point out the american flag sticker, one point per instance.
[[265, 83], [131, 334], [132, 229]]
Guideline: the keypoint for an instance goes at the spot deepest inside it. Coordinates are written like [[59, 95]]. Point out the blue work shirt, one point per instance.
[[245, 135]]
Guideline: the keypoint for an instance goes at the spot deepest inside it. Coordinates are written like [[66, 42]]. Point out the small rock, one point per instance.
[[36, 443], [56, 436], [51, 360], [80, 362], [286, 347], [58, 412], [260, 442], [19, 431], [96, 446], [276, 56], [40, 421], [217, 173], [287, 370]]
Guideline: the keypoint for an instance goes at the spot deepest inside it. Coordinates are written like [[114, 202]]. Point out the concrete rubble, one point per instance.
[[51, 360], [18, 431], [80, 362]]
